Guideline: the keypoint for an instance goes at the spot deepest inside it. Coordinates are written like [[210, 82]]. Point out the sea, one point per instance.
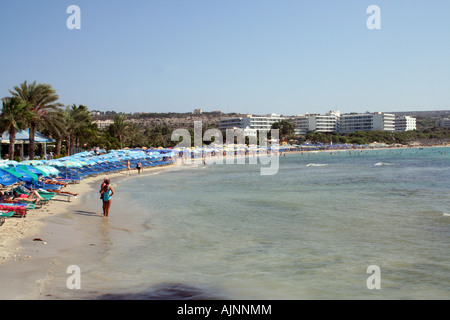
[[349, 224]]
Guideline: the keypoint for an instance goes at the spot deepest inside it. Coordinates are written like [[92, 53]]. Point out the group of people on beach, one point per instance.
[[138, 167], [32, 195], [14, 197]]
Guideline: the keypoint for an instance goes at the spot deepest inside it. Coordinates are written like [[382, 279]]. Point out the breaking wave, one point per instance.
[[379, 164], [316, 165]]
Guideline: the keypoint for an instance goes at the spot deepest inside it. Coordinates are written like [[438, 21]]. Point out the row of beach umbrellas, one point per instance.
[[31, 170], [35, 168]]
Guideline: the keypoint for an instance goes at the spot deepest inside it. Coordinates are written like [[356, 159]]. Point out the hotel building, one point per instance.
[[405, 123], [444, 123], [366, 122], [317, 122], [333, 121], [103, 124], [249, 123]]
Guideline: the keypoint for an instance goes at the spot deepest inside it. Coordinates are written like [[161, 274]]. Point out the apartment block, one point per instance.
[[317, 122], [444, 123], [103, 124], [249, 123], [405, 123], [366, 122]]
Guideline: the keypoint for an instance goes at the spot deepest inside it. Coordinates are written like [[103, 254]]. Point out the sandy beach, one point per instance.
[[14, 230], [28, 245]]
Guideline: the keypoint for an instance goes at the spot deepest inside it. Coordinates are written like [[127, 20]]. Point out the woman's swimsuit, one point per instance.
[[107, 195]]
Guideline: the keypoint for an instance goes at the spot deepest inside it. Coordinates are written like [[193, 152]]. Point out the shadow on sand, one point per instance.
[[87, 213]]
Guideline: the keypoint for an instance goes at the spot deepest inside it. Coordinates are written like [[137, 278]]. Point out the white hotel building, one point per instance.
[[444, 123], [103, 124], [333, 121], [366, 122], [317, 122], [249, 123], [405, 123]]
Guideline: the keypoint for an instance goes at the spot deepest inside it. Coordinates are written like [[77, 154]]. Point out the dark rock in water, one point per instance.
[[164, 291]]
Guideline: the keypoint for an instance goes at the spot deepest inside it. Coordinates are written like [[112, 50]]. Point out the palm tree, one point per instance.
[[77, 121], [54, 125], [159, 136], [40, 99], [13, 118], [135, 135], [119, 127]]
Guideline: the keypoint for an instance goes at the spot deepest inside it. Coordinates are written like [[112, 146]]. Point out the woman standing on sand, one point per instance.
[[107, 193], [139, 167], [101, 188]]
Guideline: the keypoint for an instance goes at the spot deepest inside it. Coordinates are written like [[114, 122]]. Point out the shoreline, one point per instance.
[[15, 230], [23, 261]]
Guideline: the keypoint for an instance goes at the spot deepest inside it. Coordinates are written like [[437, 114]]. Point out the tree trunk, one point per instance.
[[32, 131], [71, 144], [12, 138], [68, 142], [58, 147]]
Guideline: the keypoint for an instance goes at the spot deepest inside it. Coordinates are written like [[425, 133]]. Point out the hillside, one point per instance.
[[425, 119], [173, 120]]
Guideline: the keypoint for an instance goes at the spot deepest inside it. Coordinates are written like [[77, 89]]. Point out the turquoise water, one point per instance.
[[308, 232]]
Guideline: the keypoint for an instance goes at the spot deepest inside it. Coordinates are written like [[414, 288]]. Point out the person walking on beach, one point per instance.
[[107, 193], [139, 167]]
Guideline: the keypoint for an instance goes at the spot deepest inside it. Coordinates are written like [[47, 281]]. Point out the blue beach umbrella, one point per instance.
[[54, 163], [47, 171], [10, 162], [52, 170], [31, 169], [72, 164], [20, 175], [92, 161], [31, 162], [7, 178], [64, 158], [27, 175]]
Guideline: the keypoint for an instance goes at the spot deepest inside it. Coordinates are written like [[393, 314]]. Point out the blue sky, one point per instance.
[[250, 56]]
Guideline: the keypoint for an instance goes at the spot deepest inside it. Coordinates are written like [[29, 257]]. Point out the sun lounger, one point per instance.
[[19, 211], [26, 204], [41, 185], [5, 214], [46, 196], [65, 196]]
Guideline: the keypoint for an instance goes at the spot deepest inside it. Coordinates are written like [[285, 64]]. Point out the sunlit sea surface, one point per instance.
[[310, 231]]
